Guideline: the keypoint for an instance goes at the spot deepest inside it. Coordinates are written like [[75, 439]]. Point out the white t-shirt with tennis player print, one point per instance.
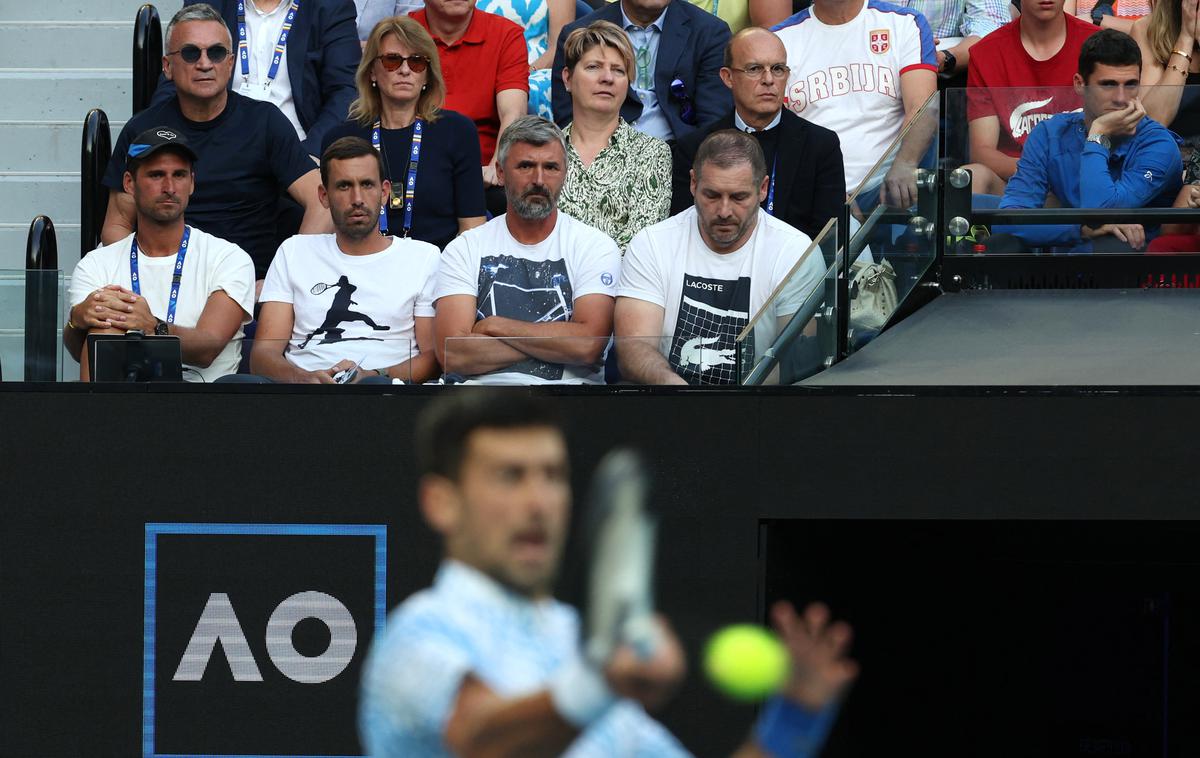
[[360, 308], [210, 264], [708, 298], [535, 283]]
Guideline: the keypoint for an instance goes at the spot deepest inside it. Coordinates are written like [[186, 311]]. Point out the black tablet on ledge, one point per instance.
[[134, 357]]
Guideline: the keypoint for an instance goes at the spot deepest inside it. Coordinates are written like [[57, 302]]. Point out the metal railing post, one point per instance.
[[41, 302]]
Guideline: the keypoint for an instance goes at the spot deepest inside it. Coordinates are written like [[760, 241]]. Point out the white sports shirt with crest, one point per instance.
[[847, 77]]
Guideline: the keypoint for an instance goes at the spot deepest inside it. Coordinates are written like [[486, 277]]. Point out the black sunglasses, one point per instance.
[[392, 61], [191, 53]]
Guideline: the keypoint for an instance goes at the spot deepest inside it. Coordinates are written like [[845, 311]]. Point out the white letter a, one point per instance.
[[218, 623]]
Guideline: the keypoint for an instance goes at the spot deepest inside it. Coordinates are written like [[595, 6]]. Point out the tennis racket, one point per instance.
[[320, 287], [620, 537]]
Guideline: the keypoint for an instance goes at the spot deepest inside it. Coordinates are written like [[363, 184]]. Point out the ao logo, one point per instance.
[[166, 135], [219, 623]]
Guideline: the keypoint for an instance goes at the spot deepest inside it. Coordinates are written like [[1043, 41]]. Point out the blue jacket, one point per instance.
[[322, 56], [1141, 171], [692, 50]]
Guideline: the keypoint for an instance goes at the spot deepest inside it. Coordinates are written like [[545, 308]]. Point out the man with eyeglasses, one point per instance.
[[676, 87], [804, 161], [312, 82], [249, 152], [1110, 155]]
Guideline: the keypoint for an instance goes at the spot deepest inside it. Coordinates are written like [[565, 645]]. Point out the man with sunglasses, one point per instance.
[[313, 81], [804, 161], [249, 153]]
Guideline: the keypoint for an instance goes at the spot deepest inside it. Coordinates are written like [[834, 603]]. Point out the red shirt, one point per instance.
[[999, 60], [490, 57]]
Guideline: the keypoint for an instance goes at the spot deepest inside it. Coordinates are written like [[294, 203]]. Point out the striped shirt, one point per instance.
[[961, 18]]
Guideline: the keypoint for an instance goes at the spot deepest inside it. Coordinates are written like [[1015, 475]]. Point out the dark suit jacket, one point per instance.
[[322, 55], [810, 181], [691, 49]]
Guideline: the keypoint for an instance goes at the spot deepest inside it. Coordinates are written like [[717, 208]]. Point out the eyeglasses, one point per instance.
[[191, 53], [757, 70], [392, 61]]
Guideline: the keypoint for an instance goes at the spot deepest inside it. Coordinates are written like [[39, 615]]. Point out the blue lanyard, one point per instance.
[[175, 280], [243, 50], [410, 182], [771, 189]]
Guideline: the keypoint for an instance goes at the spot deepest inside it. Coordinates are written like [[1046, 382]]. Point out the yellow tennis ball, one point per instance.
[[746, 662]]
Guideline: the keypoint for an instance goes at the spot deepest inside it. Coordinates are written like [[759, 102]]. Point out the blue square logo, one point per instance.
[[255, 635]]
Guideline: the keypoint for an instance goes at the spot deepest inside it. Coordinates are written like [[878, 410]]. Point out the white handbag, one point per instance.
[[872, 294]]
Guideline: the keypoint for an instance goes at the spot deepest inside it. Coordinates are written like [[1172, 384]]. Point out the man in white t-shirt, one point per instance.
[[167, 278], [527, 298], [691, 284], [355, 298], [863, 68]]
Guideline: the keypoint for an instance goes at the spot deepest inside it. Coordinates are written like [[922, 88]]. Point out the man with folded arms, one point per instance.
[[168, 278], [699, 277], [527, 298]]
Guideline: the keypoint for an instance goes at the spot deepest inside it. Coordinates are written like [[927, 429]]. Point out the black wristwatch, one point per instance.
[[949, 62], [160, 327]]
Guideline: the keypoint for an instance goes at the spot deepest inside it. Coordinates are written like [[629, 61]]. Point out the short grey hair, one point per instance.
[[728, 148], [197, 12], [533, 130]]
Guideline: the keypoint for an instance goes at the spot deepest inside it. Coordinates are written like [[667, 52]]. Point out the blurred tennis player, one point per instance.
[[486, 663]]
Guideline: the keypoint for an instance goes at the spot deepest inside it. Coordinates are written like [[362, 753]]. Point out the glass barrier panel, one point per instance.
[[480, 359], [32, 315], [1017, 168], [793, 334], [131, 357], [895, 215], [682, 357]]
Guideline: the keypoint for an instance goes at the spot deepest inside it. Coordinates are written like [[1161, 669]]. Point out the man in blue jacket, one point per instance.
[[1110, 155]]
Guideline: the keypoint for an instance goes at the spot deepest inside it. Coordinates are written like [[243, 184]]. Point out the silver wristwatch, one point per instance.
[[1102, 140]]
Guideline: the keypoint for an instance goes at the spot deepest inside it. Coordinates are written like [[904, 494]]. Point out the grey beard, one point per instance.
[[532, 211]]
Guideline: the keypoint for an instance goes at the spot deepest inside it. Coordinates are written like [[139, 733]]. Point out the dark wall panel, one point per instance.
[[84, 472]]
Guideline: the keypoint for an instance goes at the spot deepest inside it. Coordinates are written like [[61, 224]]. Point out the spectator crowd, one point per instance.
[[407, 191]]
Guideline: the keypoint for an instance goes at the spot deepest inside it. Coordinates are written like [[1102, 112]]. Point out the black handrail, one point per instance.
[[93, 157], [147, 55], [41, 302]]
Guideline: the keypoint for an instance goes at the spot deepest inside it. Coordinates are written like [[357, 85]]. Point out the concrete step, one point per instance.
[[44, 94], [94, 10], [54, 44], [24, 195], [13, 237], [43, 145]]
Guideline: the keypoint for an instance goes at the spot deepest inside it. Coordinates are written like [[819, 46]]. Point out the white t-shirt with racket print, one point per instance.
[[360, 308], [708, 298], [535, 283]]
